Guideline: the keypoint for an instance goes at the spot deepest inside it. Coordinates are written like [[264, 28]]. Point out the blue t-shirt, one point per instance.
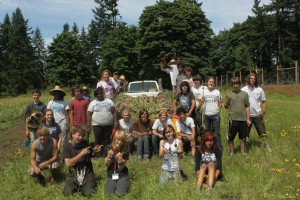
[[54, 130]]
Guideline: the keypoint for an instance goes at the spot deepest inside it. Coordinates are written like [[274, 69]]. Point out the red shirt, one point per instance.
[[79, 108]]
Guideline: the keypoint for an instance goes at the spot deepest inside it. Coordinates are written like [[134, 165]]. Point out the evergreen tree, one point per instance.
[[66, 61], [20, 71]]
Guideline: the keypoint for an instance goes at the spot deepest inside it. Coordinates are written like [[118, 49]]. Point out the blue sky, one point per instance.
[[51, 15]]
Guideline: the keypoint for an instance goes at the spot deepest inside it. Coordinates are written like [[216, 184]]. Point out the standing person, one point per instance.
[[170, 68], [115, 160], [116, 81], [171, 150], [186, 130], [185, 99], [123, 84], [157, 129], [108, 86], [78, 110], [143, 128], [30, 132], [188, 71], [208, 161], [43, 155], [60, 110], [52, 126], [77, 153], [238, 103], [256, 96], [211, 107], [102, 116], [86, 94], [180, 77], [198, 91], [126, 125]]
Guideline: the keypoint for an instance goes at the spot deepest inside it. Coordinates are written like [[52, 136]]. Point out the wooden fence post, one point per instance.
[[296, 72]]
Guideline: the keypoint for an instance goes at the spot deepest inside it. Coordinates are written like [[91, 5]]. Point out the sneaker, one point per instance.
[[269, 148], [52, 180], [139, 157], [244, 153], [209, 189], [41, 180], [231, 154]]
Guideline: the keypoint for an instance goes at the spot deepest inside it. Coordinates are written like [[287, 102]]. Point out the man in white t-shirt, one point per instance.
[[256, 97], [186, 130], [116, 81], [172, 69]]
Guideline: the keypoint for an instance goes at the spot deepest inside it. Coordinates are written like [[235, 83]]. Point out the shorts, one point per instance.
[[239, 127], [259, 125], [54, 165]]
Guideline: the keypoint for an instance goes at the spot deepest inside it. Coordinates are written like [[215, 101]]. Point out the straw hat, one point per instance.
[[122, 77], [57, 88], [172, 62], [34, 118]]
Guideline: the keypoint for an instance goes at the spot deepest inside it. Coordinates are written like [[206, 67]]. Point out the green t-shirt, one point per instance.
[[239, 101]]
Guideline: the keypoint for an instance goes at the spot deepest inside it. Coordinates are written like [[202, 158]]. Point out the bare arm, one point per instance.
[[248, 116], [71, 161], [162, 148], [264, 108], [53, 158], [175, 105], [33, 164], [71, 118], [192, 108]]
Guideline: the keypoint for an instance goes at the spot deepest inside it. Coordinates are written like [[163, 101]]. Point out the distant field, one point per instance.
[[259, 175]]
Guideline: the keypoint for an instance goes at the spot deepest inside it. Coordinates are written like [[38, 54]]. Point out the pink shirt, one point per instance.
[[79, 108]]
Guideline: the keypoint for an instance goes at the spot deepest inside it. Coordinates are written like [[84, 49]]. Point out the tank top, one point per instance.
[[44, 152], [171, 160]]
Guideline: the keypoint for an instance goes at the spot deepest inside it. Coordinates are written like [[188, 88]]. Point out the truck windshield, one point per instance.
[[142, 87]]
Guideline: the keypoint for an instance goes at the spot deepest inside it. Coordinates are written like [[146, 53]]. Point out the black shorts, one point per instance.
[[259, 125], [240, 127]]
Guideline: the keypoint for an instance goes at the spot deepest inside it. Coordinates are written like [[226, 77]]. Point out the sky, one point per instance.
[[51, 15]]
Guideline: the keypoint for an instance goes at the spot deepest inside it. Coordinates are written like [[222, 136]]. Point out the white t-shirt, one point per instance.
[[116, 83], [173, 71], [255, 94], [211, 102], [159, 125], [198, 93], [101, 110], [183, 129], [59, 110], [125, 126]]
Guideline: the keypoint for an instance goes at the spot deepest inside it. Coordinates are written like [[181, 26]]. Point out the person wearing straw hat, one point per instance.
[[170, 68], [30, 131], [60, 110], [123, 84], [86, 94]]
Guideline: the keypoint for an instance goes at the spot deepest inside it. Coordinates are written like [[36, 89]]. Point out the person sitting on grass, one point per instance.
[[171, 150], [186, 130], [116, 156], [126, 125], [158, 128], [77, 154], [206, 156], [238, 103], [43, 155]]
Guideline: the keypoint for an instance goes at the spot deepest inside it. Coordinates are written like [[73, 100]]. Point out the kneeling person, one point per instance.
[[43, 155]]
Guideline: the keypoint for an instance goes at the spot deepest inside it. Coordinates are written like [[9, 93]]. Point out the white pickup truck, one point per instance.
[[139, 88]]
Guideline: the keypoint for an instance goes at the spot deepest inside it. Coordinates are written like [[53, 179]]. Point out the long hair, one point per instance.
[[45, 112], [207, 137], [167, 128], [185, 83], [162, 111], [120, 135], [255, 76], [142, 111]]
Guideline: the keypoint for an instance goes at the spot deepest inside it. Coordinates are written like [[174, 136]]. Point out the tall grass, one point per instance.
[[258, 175]]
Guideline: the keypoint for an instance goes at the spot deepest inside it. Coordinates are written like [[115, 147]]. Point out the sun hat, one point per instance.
[[122, 77], [57, 88], [84, 88], [34, 118], [116, 73], [172, 62]]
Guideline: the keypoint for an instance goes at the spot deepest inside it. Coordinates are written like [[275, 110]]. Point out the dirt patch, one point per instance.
[[289, 90], [11, 141]]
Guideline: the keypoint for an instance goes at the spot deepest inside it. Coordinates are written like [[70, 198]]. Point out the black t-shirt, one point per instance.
[[185, 100], [110, 168], [71, 150]]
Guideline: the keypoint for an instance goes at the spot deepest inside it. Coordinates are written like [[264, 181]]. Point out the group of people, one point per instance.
[[198, 112]]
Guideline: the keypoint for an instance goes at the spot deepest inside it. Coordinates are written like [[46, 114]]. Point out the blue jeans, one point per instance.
[[155, 144], [168, 175], [212, 124], [143, 141]]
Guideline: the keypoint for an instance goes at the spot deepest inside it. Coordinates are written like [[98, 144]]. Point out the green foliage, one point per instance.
[[176, 28], [66, 61]]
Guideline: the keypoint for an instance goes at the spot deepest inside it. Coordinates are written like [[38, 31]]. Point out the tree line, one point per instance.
[[179, 28]]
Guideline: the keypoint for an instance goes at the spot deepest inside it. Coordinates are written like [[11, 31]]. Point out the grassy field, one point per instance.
[[258, 175]]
